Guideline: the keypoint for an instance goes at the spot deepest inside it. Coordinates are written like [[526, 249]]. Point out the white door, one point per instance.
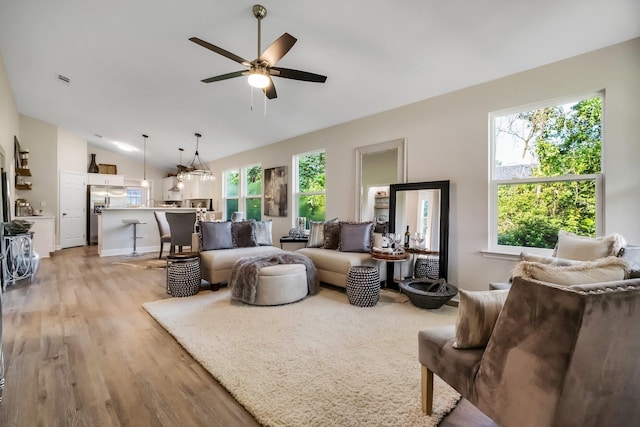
[[73, 217]]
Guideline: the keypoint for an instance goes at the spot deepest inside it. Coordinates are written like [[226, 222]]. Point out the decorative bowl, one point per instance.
[[17, 226], [427, 293]]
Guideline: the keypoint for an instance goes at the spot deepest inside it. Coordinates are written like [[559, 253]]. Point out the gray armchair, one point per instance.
[[558, 356]]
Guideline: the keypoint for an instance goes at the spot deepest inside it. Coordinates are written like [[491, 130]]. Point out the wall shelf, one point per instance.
[[23, 172]]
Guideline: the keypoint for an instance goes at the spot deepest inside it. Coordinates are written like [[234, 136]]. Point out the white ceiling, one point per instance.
[[134, 71]]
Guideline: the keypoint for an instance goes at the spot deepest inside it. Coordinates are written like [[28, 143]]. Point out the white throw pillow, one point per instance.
[[583, 248], [601, 270]]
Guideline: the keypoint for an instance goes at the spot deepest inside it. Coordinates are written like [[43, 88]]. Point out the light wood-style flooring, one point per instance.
[[81, 351]]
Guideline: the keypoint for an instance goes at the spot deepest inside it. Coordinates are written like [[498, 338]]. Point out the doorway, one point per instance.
[[72, 203]]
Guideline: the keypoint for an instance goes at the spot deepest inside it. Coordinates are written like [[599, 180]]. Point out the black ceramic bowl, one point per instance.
[[424, 293]]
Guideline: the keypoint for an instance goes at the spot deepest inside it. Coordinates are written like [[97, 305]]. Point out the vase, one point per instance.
[[93, 166]]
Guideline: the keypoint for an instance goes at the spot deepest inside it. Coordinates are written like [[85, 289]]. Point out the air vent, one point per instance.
[[64, 79], [97, 135]]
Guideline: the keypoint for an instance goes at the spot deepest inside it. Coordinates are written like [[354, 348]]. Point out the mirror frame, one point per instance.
[[398, 144], [443, 186]]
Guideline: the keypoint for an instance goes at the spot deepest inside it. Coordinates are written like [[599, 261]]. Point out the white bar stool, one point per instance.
[[135, 223]]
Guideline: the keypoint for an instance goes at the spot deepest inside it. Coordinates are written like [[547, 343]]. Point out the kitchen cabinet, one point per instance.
[[197, 189], [167, 194], [43, 229], [105, 179], [381, 208]]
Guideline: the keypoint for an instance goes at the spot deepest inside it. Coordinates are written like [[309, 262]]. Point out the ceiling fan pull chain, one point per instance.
[[265, 106], [251, 89]]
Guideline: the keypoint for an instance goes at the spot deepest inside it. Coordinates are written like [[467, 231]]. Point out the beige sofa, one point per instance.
[[215, 265], [333, 265]]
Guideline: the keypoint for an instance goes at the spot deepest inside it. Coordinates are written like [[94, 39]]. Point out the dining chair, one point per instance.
[[164, 230], [181, 226]]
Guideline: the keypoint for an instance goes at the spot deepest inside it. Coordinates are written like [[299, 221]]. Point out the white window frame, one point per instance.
[[244, 188], [224, 190], [296, 183], [493, 247]]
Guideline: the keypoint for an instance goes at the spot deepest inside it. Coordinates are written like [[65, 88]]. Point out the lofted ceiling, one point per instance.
[[132, 69]]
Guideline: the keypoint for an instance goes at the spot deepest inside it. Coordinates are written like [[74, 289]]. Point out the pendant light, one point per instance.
[[145, 183], [197, 169], [179, 175]]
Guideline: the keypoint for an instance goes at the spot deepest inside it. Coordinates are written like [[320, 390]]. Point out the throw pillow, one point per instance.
[[526, 256], [243, 234], [355, 237], [584, 248], [601, 270], [316, 234], [331, 235], [263, 233], [215, 235], [478, 313]]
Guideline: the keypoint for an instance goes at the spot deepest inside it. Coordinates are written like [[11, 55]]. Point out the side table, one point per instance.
[[289, 239], [183, 274], [390, 260], [17, 263]]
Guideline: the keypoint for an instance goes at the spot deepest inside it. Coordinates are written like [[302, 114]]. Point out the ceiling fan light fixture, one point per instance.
[[258, 79]]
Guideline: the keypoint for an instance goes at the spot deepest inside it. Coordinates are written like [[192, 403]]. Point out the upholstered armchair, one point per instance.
[[557, 356]]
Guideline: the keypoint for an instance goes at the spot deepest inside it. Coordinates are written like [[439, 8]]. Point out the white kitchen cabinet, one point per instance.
[[105, 179], [197, 189], [43, 234], [167, 194]]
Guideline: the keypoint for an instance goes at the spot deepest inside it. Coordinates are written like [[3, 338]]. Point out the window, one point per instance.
[[309, 175], [134, 196], [231, 192], [545, 173], [253, 192], [245, 192]]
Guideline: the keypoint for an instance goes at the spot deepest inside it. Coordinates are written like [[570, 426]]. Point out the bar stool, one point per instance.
[[135, 223]]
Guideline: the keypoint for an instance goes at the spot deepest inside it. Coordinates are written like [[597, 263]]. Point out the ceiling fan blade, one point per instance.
[[224, 76], [270, 90], [220, 51], [278, 49], [288, 73]]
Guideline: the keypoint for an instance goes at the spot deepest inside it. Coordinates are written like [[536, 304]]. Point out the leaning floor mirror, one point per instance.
[[424, 208]]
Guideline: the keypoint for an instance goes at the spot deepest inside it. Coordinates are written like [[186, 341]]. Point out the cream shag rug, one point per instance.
[[317, 362]]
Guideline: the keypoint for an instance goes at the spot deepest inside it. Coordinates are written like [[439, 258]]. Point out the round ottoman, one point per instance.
[[281, 284], [183, 274], [363, 286]]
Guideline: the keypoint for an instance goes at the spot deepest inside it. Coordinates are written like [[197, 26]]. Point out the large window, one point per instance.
[[545, 173], [309, 176], [243, 192]]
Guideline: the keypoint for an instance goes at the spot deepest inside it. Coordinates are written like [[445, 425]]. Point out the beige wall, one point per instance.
[[448, 139], [9, 123]]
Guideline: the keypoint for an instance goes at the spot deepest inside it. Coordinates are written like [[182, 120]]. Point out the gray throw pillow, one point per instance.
[[263, 233], [215, 235], [356, 237], [243, 234]]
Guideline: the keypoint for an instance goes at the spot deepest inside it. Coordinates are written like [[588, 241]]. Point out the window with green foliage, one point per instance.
[[253, 193], [244, 192], [546, 173], [231, 192], [310, 186]]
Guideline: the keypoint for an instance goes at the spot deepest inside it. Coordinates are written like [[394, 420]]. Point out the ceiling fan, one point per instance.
[[261, 69]]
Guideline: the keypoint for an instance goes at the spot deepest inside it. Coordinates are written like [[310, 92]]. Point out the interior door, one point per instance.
[[72, 203]]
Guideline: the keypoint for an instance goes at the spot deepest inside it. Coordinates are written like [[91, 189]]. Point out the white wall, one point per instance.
[[448, 139]]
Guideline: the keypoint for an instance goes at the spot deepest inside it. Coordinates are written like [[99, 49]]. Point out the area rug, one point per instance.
[[148, 263], [317, 362]]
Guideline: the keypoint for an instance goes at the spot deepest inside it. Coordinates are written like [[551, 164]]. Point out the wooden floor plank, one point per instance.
[[81, 350]]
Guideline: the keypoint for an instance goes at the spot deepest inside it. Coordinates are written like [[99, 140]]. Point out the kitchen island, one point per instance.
[[116, 238]]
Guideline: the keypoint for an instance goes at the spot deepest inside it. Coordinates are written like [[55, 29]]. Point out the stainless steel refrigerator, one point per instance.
[[99, 197]]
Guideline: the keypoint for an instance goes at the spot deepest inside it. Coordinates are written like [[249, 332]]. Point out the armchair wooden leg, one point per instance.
[[427, 390]]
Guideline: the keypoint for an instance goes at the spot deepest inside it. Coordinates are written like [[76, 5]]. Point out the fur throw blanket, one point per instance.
[[243, 280]]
